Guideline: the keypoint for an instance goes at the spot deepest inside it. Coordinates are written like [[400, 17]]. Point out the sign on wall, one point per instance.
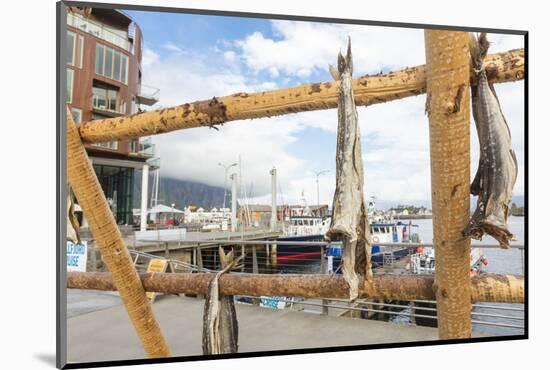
[[273, 302], [77, 256]]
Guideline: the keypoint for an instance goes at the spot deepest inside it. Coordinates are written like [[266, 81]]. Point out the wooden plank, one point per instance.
[[448, 107], [368, 90], [485, 288], [114, 253]]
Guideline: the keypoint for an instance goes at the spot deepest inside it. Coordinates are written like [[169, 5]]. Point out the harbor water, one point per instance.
[[500, 261]]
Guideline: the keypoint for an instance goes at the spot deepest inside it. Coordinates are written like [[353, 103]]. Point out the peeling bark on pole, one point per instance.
[[501, 67], [448, 107], [114, 253], [485, 288]]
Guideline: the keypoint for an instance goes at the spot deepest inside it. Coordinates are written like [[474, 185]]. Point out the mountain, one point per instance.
[[182, 193]]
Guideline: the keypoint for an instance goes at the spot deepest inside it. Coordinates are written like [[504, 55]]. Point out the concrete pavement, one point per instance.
[[107, 334]]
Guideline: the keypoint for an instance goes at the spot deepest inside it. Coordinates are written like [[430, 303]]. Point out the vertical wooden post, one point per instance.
[[90, 196], [255, 269], [243, 254], [324, 270], [273, 254], [448, 108], [199, 257]]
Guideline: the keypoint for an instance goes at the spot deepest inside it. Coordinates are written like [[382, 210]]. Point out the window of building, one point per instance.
[[108, 70], [104, 98], [99, 57], [70, 74], [116, 67], [111, 63], [80, 50], [71, 39], [110, 144], [77, 115]]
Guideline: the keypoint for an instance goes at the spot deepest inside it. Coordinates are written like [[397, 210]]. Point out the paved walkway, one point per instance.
[[107, 334]]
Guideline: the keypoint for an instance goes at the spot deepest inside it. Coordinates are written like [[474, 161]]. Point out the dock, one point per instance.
[[98, 328]]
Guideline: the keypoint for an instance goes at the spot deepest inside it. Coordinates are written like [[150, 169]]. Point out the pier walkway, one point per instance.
[[98, 329], [204, 239]]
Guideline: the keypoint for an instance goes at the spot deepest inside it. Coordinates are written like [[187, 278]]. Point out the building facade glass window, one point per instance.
[[70, 74], [71, 40], [111, 63], [99, 58], [104, 98], [77, 115], [117, 184], [80, 50]]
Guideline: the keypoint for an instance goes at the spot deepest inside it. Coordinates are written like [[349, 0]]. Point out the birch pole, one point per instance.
[[367, 90], [87, 189], [485, 288], [448, 108]]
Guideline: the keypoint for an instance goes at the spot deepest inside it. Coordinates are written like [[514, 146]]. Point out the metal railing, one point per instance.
[[149, 92], [500, 317], [99, 30], [142, 147], [405, 310]]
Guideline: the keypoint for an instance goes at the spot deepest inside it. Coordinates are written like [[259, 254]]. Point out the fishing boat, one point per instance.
[[302, 229], [306, 227], [383, 233], [423, 261]]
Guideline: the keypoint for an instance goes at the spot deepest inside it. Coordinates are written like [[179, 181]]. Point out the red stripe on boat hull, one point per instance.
[[297, 256]]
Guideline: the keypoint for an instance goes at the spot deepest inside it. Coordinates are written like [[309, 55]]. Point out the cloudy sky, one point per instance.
[[196, 57]]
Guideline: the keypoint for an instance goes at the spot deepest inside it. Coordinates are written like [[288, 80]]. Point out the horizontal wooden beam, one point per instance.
[[485, 288], [501, 67]]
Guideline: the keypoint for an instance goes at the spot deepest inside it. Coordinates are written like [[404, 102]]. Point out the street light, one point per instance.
[[317, 174], [225, 182]]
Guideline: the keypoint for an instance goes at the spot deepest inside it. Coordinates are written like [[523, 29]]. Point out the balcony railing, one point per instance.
[[148, 95], [144, 148], [99, 30]]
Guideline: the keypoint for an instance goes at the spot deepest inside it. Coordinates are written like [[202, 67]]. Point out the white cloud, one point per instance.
[[172, 47], [395, 135], [229, 56], [149, 58], [195, 154], [303, 47]]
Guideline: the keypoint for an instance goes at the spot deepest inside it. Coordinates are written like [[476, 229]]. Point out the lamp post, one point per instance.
[[317, 174], [225, 183]]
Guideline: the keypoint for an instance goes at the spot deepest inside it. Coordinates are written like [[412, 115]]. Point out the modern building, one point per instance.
[[104, 52]]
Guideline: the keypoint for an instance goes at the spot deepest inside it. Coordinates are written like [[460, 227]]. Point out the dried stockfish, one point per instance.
[[220, 328], [349, 216], [497, 171]]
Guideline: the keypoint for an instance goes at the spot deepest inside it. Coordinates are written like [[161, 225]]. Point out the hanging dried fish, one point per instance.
[[220, 329], [72, 223], [349, 216], [498, 168]]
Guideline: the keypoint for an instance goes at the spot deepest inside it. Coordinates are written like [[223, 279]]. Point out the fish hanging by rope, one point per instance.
[[73, 226], [220, 329], [498, 168], [349, 222]]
